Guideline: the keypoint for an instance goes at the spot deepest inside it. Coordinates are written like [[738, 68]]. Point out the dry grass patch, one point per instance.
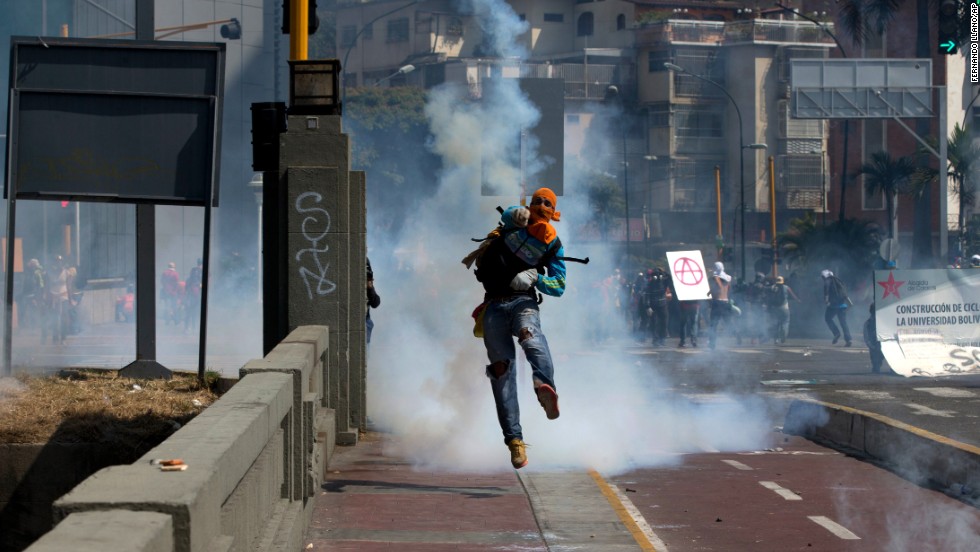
[[98, 407]]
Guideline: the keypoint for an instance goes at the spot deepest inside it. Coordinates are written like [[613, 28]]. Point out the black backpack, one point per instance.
[[498, 265], [838, 293], [777, 295]]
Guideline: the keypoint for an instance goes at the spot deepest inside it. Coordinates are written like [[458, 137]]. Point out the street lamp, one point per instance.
[[741, 150], [231, 29], [343, 67], [403, 70]]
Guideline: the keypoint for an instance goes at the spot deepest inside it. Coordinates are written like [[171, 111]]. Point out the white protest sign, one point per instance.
[[689, 275], [928, 321]]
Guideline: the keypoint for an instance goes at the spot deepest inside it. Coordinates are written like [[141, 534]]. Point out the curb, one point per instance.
[[920, 456]]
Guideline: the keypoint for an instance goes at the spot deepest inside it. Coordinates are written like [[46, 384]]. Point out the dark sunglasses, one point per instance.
[[541, 201]]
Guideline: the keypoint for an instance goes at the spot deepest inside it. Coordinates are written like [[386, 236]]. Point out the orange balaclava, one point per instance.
[[544, 209]]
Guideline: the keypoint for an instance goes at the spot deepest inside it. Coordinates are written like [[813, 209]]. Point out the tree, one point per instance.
[[963, 157], [606, 200], [323, 43], [861, 18], [890, 177], [848, 247], [386, 126]]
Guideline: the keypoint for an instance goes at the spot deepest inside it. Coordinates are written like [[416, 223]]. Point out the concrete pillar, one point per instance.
[[314, 167]]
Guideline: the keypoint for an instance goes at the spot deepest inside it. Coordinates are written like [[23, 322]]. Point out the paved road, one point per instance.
[[797, 494]]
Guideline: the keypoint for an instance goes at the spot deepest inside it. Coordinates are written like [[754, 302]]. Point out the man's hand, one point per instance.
[[521, 216], [524, 280]]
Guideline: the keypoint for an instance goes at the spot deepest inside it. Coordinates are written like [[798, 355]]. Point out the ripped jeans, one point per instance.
[[502, 322]]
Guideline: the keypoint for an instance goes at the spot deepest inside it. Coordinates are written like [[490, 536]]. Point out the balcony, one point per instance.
[[582, 82], [713, 33]]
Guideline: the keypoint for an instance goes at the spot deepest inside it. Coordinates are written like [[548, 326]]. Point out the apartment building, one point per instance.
[[677, 128]]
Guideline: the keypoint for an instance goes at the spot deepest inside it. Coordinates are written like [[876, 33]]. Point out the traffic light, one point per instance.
[[948, 23], [313, 21]]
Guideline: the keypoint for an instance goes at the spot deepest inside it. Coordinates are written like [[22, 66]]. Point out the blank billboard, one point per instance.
[[125, 121]]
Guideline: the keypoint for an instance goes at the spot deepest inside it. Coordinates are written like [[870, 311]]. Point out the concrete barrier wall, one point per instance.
[[255, 460], [922, 457]]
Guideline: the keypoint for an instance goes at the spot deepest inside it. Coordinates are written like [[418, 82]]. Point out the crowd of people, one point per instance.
[[180, 300], [755, 312], [49, 298]]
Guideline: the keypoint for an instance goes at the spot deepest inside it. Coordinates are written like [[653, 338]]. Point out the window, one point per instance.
[[554, 18], [348, 34], [454, 27], [368, 32], [398, 30], [697, 124], [658, 115], [586, 24], [620, 22], [656, 60], [572, 119]]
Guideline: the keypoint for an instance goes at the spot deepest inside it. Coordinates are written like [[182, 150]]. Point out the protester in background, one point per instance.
[[871, 340], [126, 305], [779, 310], [58, 298], [755, 309], [524, 257], [836, 299], [192, 295], [658, 291], [687, 326], [170, 292], [74, 298], [32, 300], [718, 287], [638, 302], [373, 300]]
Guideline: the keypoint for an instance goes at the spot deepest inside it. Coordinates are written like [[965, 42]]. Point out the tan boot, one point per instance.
[[518, 457]]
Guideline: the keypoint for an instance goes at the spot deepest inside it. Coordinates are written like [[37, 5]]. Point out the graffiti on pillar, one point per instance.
[[314, 268]]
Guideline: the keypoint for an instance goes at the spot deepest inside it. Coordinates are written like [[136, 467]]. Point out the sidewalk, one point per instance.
[[926, 429], [372, 501]]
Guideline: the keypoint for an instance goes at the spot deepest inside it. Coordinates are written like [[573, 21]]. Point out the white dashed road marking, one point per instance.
[[737, 465], [867, 395], [920, 410], [833, 527], [785, 493], [947, 392]]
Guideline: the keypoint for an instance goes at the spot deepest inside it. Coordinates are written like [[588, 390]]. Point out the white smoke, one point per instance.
[[426, 373]]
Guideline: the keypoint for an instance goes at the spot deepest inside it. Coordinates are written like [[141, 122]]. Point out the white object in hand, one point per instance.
[[521, 216], [524, 280]]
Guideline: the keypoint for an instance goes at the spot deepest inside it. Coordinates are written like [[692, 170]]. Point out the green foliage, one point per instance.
[[386, 122], [890, 177], [963, 157], [323, 43], [848, 247], [653, 16], [389, 133], [607, 202], [861, 19]]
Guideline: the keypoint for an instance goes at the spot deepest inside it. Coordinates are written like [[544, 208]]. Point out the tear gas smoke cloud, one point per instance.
[[426, 372]]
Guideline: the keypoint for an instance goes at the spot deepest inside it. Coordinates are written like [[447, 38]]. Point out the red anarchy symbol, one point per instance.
[[687, 270]]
